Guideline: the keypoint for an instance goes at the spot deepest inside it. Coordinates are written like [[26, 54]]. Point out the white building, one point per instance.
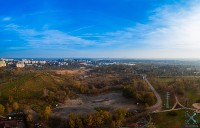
[[42, 62], [26, 61], [20, 64], [2, 63]]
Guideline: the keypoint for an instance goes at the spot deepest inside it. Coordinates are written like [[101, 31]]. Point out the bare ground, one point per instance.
[[86, 104]]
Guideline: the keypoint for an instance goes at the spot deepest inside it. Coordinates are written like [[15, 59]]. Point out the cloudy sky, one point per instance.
[[100, 28]]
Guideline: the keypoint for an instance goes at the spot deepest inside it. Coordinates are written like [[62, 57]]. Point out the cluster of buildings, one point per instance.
[[2, 63], [62, 63], [20, 63]]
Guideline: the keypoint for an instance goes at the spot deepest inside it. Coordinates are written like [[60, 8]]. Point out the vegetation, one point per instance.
[[41, 91], [93, 120], [139, 90], [172, 119], [15, 106], [2, 109], [47, 112], [186, 88]]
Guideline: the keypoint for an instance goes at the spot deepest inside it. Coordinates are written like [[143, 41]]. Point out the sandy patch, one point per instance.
[[86, 104]]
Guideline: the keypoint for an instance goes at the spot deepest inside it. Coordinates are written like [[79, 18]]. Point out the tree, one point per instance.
[[119, 116], [29, 117], [2, 109], [15, 106], [47, 112], [9, 109], [88, 120], [10, 99], [79, 122], [151, 125], [75, 121], [129, 92], [98, 119], [149, 98], [72, 120], [107, 117]]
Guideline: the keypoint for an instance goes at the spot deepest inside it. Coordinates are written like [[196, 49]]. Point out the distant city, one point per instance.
[[81, 63], [84, 62]]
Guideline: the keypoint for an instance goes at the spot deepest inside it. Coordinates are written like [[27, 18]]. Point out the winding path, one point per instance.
[[156, 107], [158, 104]]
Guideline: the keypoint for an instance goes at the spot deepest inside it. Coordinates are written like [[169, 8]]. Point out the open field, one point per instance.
[[86, 104], [185, 88], [72, 72], [173, 120]]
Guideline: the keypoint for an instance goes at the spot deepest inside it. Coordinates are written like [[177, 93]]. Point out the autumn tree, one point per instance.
[[72, 118], [119, 116], [47, 112], [88, 120], [75, 121], [10, 99], [9, 109], [2, 109], [29, 117], [15, 106]]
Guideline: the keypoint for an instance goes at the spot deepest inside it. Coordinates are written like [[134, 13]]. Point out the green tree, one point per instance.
[[129, 92], [149, 98]]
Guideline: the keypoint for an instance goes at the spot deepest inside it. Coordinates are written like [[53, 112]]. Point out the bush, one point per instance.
[[172, 113]]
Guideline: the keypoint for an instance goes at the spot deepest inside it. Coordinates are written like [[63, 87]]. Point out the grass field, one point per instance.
[[28, 90], [177, 120], [189, 86]]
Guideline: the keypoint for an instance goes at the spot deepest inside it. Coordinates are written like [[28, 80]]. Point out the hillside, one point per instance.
[[34, 90]]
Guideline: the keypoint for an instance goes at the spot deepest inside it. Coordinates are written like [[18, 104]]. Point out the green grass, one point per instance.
[[166, 80], [30, 86], [28, 90], [193, 95], [165, 120]]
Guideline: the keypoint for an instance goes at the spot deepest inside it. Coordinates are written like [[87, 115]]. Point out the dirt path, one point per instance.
[[156, 107], [158, 104]]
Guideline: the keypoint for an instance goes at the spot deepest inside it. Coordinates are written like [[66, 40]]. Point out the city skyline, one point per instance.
[[100, 29]]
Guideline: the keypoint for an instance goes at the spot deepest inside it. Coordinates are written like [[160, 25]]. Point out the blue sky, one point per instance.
[[100, 28]]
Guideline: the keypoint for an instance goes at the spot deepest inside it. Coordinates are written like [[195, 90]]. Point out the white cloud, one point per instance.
[[173, 31], [47, 37], [180, 28], [6, 19]]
